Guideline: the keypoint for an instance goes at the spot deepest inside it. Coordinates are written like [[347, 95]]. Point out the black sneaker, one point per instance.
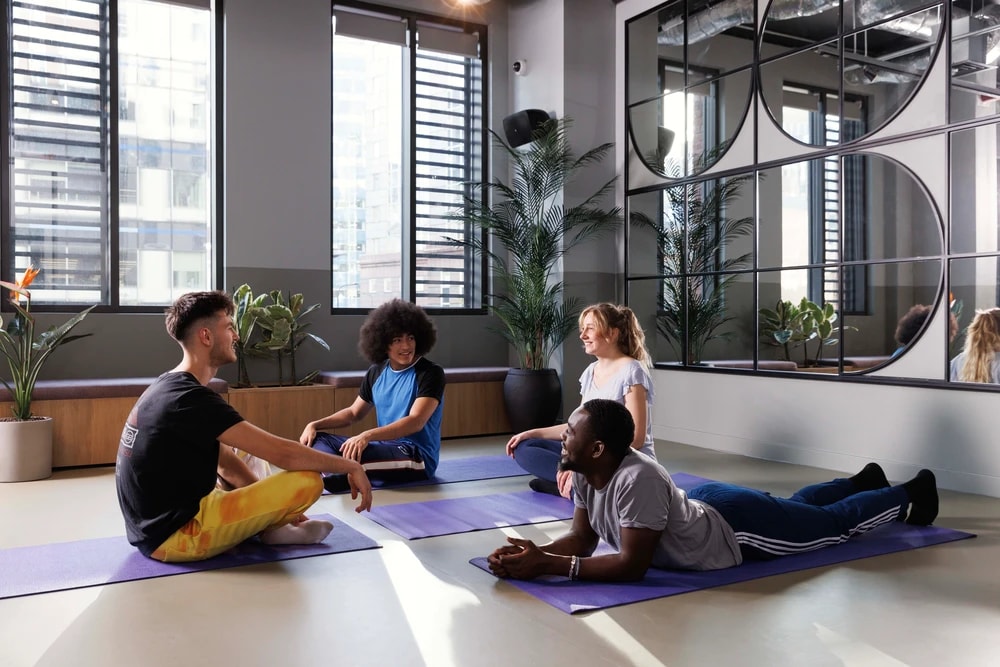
[[871, 478], [923, 493], [544, 486]]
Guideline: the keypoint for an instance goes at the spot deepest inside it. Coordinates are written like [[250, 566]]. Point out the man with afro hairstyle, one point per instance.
[[405, 389]]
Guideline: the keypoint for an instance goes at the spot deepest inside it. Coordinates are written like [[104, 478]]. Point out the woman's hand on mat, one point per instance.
[[564, 480], [358, 479], [353, 446]]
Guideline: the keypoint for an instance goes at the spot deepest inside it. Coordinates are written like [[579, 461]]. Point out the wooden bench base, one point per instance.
[[88, 415]]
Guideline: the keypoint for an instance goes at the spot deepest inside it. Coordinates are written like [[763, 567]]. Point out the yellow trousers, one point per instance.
[[226, 518]]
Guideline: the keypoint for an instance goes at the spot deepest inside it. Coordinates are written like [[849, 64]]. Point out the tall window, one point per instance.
[[109, 110], [407, 143]]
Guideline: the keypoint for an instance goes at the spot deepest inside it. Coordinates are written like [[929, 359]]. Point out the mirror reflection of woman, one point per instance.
[[612, 334], [978, 361]]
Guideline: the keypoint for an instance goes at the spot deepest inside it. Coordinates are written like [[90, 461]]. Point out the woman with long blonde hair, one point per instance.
[[621, 373], [978, 361]]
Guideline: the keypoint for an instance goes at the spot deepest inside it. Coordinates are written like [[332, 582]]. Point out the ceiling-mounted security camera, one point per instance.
[[520, 67]]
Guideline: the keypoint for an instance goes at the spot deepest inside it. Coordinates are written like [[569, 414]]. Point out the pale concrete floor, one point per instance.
[[421, 603]]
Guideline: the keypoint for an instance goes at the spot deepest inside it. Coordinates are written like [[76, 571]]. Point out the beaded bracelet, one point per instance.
[[574, 567]]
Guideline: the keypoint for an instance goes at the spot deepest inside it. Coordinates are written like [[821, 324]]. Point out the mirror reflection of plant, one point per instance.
[[692, 237], [788, 326], [782, 327], [531, 230]]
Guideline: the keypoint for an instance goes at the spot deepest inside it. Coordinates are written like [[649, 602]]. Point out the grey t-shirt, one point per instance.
[[641, 495], [616, 388]]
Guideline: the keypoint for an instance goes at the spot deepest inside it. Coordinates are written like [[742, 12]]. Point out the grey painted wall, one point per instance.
[[569, 47]]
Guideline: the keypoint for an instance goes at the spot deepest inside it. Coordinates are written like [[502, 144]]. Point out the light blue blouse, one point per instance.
[[617, 387]]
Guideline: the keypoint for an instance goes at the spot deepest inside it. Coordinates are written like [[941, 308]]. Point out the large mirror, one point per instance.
[[856, 78], [975, 56], [696, 242], [975, 356], [974, 281], [686, 131], [835, 224], [688, 87], [852, 265]]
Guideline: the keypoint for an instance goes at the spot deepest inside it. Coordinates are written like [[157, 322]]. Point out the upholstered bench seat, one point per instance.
[[57, 390], [87, 415], [473, 399]]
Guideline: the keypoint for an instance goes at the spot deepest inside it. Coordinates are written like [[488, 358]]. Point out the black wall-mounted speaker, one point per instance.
[[519, 127]]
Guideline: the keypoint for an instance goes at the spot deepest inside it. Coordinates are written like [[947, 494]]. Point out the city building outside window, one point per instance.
[[108, 183], [408, 133]]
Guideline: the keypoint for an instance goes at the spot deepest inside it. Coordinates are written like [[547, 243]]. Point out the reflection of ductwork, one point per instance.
[[967, 55], [728, 14], [903, 70], [708, 22], [923, 24]]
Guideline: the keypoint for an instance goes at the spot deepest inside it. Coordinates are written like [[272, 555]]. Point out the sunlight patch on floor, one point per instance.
[[22, 619], [615, 635], [414, 586], [853, 653]]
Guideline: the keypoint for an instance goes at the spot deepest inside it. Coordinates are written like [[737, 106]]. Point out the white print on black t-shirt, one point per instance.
[[128, 436]]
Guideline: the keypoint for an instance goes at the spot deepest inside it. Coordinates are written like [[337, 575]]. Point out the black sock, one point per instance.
[[544, 486], [923, 494], [870, 478]]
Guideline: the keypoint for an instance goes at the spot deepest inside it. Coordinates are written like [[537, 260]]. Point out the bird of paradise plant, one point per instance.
[[25, 353]]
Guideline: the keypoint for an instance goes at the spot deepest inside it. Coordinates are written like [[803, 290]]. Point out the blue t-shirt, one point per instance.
[[393, 394]]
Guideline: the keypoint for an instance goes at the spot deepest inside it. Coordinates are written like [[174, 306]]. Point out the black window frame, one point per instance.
[[110, 119], [478, 278]]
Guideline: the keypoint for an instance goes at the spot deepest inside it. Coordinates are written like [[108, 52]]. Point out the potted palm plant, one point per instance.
[[26, 439], [531, 229]]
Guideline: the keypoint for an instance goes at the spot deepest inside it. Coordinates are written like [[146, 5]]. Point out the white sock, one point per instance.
[[310, 531]]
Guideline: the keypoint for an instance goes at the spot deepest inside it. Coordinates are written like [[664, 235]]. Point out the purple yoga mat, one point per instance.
[[462, 515], [576, 596], [465, 469], [65, 565]]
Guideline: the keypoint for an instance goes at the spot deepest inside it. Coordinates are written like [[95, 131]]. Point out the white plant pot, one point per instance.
[[25, 449]]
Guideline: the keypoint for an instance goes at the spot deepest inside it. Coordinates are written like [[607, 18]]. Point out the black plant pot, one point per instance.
[[533, 398]]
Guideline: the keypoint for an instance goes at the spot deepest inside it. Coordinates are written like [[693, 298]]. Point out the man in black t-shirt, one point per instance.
[[169, 456]]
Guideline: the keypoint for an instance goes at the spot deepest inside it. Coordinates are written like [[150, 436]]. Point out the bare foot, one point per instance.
[[310, 531]]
